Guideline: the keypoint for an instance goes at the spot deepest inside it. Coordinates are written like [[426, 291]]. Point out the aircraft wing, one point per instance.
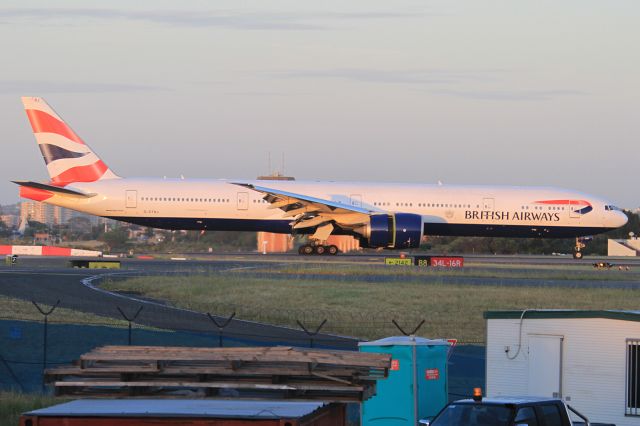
[[307, 211], [52, 188]]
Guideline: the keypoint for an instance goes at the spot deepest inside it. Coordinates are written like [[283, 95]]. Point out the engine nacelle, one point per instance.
[[392, 231]]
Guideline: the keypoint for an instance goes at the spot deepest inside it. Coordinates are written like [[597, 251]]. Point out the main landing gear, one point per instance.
[[317, 249], [316, 241]]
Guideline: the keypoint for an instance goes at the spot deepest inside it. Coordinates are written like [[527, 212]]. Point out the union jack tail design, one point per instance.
[[67, 157]]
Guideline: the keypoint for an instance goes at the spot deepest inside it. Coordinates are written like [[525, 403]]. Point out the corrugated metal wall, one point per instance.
[[593, 364]]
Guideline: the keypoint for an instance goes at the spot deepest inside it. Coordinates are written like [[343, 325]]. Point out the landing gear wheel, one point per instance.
[[306, 249], [580, 244], [319, 250], [332, 250]]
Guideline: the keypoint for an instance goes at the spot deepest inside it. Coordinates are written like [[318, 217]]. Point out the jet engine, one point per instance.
[[392, 231]]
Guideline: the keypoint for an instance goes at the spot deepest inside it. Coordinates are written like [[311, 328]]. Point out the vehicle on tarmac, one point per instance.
[[509, 411], [379, 215]]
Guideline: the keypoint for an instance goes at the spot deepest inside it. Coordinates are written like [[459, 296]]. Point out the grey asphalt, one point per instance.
[[378, 257], [41, 281]]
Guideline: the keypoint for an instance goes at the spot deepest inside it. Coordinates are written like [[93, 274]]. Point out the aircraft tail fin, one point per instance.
[[67, 157]]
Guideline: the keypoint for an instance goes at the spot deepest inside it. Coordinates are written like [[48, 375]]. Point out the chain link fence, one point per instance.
[[24, 350]]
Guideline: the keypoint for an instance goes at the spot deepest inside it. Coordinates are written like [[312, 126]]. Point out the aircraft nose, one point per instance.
[[619, 219]]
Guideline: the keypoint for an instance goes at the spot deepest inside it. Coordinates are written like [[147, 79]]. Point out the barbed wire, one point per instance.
[[240, 334]]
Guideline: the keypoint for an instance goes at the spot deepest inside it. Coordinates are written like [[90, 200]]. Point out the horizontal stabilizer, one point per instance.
[[52, 188]]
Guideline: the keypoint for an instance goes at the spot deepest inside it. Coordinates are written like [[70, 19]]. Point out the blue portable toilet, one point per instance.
[[417, 384]]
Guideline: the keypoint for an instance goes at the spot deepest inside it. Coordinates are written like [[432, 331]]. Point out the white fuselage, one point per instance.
[[445, 209]]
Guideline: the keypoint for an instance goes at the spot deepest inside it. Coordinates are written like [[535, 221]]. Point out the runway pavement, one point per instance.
[[378, 258]]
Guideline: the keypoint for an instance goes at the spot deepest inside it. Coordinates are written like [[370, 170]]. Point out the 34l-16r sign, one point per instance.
[[439, 261]]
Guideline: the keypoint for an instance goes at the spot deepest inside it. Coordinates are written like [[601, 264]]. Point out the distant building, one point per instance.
[[267, 241], [105, 223], [630, 247], [50, 215], [63, 216], [13, 209], [276, 176], [345, 243], [41, 237], [39, 212], [274, 243], [281, 243], [10, 220]]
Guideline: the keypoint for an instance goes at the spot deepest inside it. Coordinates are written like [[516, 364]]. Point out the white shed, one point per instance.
[[591, 359]]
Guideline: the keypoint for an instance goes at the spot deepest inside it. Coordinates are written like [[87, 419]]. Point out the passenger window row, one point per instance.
[[555, 208], [436, 205], [187, 200]]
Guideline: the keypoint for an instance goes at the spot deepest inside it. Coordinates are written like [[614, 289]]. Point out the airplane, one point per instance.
[[380, 215]]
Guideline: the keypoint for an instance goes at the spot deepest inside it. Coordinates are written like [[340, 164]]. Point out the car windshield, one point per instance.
[[477, 415]]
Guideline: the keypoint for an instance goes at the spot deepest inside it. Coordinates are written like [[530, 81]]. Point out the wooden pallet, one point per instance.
[[282, 371]]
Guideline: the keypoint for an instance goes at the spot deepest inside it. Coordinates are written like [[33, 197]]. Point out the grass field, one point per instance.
[[12, 405], [18, 309], [578, 272], [365, 309]]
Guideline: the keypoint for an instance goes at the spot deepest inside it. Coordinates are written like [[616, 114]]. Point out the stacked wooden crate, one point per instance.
[[282, 372]]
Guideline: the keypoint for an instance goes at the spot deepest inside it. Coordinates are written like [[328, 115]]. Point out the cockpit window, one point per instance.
[[610, 207]]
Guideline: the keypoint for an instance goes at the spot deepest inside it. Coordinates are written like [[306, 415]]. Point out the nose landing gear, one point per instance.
[[581, 242]]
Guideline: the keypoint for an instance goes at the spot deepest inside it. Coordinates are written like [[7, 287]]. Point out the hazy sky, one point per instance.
[[488, 92]]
